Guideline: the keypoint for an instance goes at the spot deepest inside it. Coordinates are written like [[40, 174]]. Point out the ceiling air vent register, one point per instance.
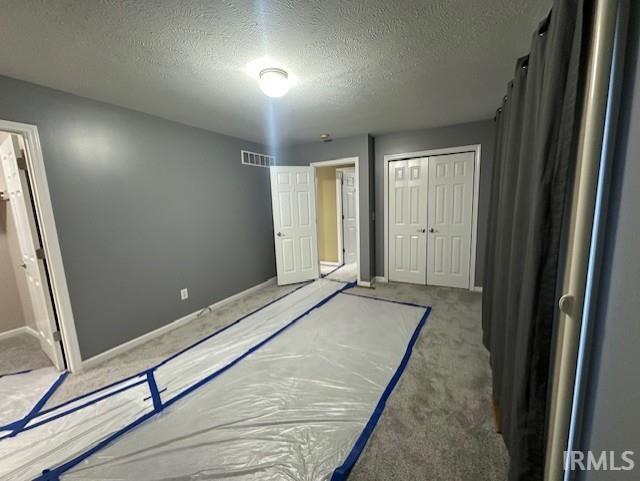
[[257, 160]]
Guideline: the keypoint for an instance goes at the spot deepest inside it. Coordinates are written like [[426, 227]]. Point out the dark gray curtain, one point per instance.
[[534, 156]]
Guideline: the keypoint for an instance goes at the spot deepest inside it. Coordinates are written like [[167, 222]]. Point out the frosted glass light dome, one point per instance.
[[274, 82]]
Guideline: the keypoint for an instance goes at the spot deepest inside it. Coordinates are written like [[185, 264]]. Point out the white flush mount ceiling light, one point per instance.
[[274, 82]]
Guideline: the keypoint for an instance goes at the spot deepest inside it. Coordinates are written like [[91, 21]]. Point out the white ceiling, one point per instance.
[[373, 66]]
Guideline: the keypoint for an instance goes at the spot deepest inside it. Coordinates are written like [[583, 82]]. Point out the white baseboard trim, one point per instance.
[[19, 330], [384, 280], [366, 283], [31, 331], [116, 351], [327, 263], [13, 332]]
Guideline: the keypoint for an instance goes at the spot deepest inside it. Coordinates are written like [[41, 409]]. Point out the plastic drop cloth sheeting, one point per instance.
[[191, 366], [292, 410], [25, 456], [344, 273], [20, 392], [60, 434]]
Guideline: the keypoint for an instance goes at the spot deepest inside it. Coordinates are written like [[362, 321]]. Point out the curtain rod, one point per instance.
[[581, 225]]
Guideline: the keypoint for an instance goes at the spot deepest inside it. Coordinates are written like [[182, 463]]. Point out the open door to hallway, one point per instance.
[[29, 253], [294, 224]]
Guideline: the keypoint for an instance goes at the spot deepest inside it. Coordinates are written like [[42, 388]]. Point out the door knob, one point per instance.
[[280, 234], [24, 266], [421, 230], [431, 229]]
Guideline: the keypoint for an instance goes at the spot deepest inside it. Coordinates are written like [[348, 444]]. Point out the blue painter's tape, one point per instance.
[[155, 394], [219, 331], [15, 373], [81, 406], [143, 374], [54, 474], [254, 348], [403, 303], [160, 391], [342, 472], [39, 405], [332, 271], [9, 427], [334, 280], [95, 391]]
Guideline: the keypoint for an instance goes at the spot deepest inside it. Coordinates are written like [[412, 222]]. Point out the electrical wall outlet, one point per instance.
[[184, 294]]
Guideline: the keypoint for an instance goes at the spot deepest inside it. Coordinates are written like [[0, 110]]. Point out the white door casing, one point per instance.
[[339, 225], [294, 223], [408, 220], [450, 214], [28, 239], [349, 220]]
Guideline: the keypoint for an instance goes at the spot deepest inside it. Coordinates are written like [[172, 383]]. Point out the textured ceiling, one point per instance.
[[373, 66]]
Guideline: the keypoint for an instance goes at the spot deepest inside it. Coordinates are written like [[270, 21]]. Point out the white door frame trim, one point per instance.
[[345, 162], [476, 191], [341, 171], [339, 215], [51, 244]]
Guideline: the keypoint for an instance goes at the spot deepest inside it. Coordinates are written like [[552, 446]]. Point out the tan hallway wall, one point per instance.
[[11, 315], [327, 214], [15, 305]]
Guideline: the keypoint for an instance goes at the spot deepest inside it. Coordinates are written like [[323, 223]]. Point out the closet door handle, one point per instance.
[[432, 230], [421, 230]]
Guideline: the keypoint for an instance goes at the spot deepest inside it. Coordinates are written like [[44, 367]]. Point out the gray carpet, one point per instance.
[[21, 352], [438, 423]]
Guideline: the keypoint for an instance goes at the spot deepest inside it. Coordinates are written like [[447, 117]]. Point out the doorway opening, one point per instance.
[[338, 219], [27, 316], [36, 326], [431, 217], [295, 222]]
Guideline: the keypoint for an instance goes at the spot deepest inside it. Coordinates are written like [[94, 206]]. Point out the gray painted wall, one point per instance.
[[612, 421], [375, 148], [357, 146], [456, 135], [144, 207]]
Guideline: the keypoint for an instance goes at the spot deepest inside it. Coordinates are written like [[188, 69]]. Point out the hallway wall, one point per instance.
[[11, 313], [327, 214]]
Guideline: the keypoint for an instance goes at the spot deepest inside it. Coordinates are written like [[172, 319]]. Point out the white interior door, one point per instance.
[[349, 220], [293, 198], [450, 219], [408, 220], [34, 269]]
